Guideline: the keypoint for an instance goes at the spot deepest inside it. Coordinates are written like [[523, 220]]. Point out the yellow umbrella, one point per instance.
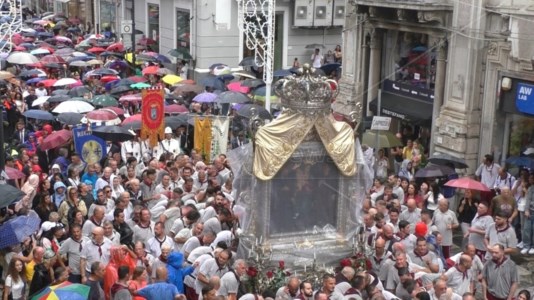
[[171, 79], [128, 57]]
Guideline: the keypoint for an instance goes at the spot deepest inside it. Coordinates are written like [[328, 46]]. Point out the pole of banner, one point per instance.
[[2, 147], [133, 37]]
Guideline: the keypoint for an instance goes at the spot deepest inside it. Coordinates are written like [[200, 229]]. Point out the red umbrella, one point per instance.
[[237, 87], [13, 173], [151, 70], [96, 50], [115, 47], [36, 65], [176, 109], [117, 110], [52, 59], [102, 115], [146, 41], [468, 184], [47, 82], [134, 118], [56, 139], [137, 79], [109, 78]]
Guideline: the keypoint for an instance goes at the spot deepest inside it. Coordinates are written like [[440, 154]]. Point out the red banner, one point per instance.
[[153, 116]]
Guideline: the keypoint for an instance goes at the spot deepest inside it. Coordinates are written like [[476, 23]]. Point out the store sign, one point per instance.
[[524, 99], [407, 90], [381, 123]]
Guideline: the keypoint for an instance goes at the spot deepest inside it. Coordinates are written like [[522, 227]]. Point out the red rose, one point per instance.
[[281, 264], [252, 272], [346, 262], [288, 273], [270, 274], [368, 265]]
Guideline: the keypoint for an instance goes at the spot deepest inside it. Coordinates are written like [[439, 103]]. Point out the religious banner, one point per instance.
[[202, 137], [90, 148], [152, 127], [219, 136]]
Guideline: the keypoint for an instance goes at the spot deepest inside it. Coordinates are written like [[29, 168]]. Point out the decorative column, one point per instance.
[[440, 45], [375, 46]]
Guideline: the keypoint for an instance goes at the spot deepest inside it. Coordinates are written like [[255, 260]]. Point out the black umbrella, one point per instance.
[[58, 98], [232, 97], [445, 159], [53, 66], [253, 83], [113, 133], [70, 118], [30, 73], [213, 82], [9, 194], [121, 89], [79, 91], [329, 68], [433, 171], [133, 125], [246, 111], [248, 61], [104, 71], [176, 121]]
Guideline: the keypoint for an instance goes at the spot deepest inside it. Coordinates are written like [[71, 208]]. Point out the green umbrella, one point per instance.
[[104, 101], [386, 139], [180, 53], [140, 85]]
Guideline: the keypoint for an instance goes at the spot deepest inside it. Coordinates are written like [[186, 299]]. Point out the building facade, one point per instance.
[[439, 66]]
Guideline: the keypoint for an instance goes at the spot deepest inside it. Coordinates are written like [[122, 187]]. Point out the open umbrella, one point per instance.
[[16, 230], [119, 111], [38, 114], [186, 88], [165, 71], [47, 82], [131, 98], [205, 97], [176, 121], [104, 101], [281, 73], [103, 116], [78, 63], [13, 173], [253, 83], [329, 68], [52, 59], [73, 106], [140, 85], [315, 46], [57, 98], [65, 81], [171, 79], [113, 133], [64, 291], [9, 194], [56, 139], [434, 171], [247, 110], [468, 184], [176, 109], [386, 139], [212, 81], [249, 61], [39, 101], [521, 161], [232, 97], [245, 74], [182, 53], [22, 58], [150, 70], [79, 91], [446, 159], [70, 118]]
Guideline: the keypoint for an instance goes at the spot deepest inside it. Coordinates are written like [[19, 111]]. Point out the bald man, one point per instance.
[[460, 278], [290, 290], [98, 249], [160, 289]]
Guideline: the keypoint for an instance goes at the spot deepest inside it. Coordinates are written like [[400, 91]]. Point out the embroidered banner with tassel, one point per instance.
[[153, 114]]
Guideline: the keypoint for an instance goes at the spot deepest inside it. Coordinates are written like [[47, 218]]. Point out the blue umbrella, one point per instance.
[[38, 114], [162, 58], [281, 73], [16, 230], [329, 68], [35, 80], [45, 34], [205, 97], [212, 81], [521, 161]]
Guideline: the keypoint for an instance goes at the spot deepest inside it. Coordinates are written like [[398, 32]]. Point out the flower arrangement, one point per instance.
[[261, 278]]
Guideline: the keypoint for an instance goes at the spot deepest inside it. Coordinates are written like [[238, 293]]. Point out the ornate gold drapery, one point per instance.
[[276, 142]]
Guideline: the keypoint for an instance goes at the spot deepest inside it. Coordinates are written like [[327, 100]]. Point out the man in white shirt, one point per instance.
[[168, 145], [72, 248], [317, 59], [131, 149], [488, 171]]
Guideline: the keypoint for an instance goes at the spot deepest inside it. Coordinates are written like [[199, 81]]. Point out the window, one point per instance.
[[183, 29], [153, 25], [107, 16]]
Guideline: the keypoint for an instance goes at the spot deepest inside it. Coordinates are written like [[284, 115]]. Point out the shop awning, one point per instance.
[[404, 108]]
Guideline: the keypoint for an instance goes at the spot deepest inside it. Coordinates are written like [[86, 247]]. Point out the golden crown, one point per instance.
[[307, 92]]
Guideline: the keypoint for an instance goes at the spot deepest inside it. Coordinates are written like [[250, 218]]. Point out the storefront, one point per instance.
[[517, 110], [153, 24]]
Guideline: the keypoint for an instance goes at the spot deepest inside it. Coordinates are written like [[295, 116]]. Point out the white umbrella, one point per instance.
[[40, 100], [40, 51], [78, 54], [78, 63], [529, 151], [22, 58], [65, 81], [76, 106], [41, 73]]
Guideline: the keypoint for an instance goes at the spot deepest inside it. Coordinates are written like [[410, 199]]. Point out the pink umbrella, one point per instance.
[[117, 110], [56, 139], [468, 184], [237, 87], [13, 173], [50, 59], [176, 109], [131, 98], [101, 115], [134, 118]]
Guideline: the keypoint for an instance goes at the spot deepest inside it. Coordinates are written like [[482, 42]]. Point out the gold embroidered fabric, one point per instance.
[[276, 142]]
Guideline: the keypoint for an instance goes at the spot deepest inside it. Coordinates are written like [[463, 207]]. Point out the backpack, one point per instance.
[[71, 212]]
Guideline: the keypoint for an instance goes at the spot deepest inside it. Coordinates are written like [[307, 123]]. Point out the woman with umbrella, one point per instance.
[[466, 212]]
